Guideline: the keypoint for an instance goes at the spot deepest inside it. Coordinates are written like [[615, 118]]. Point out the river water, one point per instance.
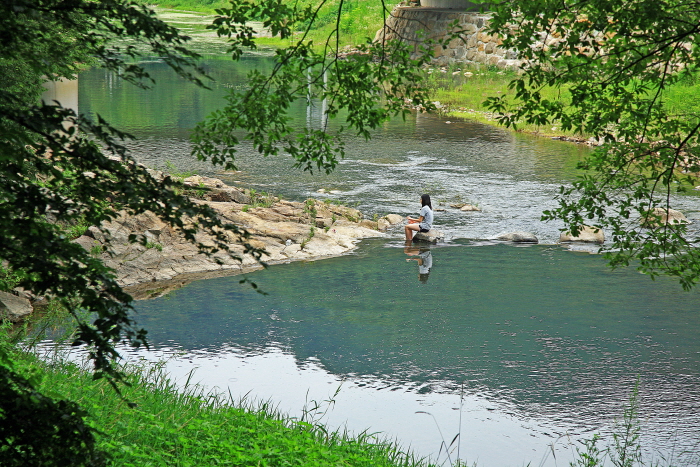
[[523, 351]]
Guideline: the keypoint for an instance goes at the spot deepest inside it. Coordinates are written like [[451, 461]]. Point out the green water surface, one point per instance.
[[552, 331]]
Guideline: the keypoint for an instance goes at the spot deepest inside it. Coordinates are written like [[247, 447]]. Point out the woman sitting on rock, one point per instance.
[[424, 223]]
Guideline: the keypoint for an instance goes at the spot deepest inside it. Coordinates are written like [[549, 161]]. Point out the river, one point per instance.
[[523, 351]]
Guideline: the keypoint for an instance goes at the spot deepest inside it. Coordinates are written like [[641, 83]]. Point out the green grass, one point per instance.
[[683, 98], [462, 90], [463, 96], [202, 6], [192, 427], [359, 20]]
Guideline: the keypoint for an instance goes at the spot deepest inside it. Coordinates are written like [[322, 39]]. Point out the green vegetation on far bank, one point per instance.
[[463, 89], [359, 20], [201, 6]]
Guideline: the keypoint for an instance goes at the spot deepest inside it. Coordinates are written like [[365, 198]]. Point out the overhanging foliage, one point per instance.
[[613, 62]]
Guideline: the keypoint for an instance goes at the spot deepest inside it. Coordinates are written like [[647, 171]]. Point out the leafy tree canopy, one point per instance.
[[613, 63], [59, 169]]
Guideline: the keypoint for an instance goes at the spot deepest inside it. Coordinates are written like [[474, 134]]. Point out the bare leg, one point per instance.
[[409, 230]]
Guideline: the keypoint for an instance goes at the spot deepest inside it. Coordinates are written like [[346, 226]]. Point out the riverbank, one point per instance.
[[165, 261], [170, 425], [286, 230]]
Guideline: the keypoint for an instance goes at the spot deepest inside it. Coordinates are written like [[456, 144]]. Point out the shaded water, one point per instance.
[[543, 344]]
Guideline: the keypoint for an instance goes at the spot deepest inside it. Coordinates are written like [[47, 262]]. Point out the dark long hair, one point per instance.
[[425, 200]]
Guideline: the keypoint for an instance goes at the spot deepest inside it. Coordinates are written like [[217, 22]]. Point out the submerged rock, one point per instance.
[[518, 237], [587, 234]]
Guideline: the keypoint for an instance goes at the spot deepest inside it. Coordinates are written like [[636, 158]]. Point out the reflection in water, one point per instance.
[[63, 91], [551, 340], [424, 258]]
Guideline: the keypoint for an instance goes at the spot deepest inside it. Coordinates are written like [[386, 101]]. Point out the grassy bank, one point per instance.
[[190, 427], [463, 89], [359, 20], [171, 426]]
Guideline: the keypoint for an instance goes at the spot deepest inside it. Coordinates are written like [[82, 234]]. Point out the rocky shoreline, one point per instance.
[[286, 230]]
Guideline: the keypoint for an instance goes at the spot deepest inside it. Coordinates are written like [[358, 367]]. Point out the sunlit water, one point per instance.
[[523, 351]]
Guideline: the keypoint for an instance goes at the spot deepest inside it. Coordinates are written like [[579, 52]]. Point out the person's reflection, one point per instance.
[[424, 258]]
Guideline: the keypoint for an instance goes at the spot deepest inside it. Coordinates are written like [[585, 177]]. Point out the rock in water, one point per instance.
[[665, 216], [14, 308], [431, 236], [587, 234], [518, 237], [393, 218]]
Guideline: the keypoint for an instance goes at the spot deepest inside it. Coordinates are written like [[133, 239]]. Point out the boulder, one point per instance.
[[393, 219], [238, 196], [368, 224], [518, 237], [587, 234], [663, 216], [199, 181], [218, 195], [431, 236], [87, 242], [14, 308], [469, 207]]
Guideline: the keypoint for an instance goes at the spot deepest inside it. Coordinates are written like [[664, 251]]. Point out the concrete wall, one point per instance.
[[474, 45]]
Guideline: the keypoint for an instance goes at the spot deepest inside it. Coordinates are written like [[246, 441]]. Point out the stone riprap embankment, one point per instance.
[[416, 25], [287, 230]]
